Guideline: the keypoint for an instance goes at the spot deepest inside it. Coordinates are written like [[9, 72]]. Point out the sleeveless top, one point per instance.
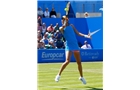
[[71, 40]]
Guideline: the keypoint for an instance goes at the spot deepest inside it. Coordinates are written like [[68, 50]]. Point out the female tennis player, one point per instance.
[[71, 46]]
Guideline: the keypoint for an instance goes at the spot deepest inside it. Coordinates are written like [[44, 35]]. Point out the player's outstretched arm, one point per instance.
[[78, 33]]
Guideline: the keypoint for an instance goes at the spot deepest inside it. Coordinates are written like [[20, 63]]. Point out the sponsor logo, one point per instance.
[[52, 56], [90, 55]]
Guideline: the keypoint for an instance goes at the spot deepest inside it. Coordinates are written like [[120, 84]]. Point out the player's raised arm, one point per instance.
[[64, 23], [78, 33]]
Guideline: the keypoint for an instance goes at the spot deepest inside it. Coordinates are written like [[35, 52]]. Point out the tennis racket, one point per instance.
[[67, 12], [67, 8]]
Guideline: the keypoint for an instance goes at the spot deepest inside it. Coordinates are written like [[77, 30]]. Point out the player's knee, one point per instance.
[[79, 63], [67, 61]]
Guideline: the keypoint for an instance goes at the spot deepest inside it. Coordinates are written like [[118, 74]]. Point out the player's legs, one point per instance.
[[63, 66], [78, 60], [68, 56]]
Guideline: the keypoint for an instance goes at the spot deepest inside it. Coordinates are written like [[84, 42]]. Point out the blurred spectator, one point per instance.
[[52, 41], [39, 28], [39, 36], [58, 35], [56, 27], [47, 13], [86, 15], [50, 28], [86, 46], [53, 13], [40, 21], [59, 44], [40, 12], [59, 39], [41, 45], [45, 39], [49, 34], [44, 29]]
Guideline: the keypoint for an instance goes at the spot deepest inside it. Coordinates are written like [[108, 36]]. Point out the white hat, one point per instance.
[[86, 13]]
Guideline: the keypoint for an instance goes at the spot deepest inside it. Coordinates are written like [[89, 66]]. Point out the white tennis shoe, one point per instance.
[[82, 79], [57, 78]]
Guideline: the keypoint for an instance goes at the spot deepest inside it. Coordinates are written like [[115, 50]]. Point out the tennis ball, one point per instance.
[[66, 9]]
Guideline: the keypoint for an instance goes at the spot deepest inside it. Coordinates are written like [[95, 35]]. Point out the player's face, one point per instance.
[[64, 20]]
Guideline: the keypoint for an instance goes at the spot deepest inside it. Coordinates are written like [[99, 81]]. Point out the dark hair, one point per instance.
[[62, 17]]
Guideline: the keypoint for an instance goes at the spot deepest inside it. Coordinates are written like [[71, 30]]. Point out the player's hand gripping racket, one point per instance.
[[92, 33]]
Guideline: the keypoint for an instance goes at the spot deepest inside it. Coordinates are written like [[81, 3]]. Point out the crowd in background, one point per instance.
[[46, 13], [49, 36]]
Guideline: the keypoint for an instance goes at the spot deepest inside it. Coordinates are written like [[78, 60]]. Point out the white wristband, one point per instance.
[[86, 36]]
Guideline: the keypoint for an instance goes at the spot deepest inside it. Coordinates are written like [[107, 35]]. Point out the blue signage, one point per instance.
[[51, 55]]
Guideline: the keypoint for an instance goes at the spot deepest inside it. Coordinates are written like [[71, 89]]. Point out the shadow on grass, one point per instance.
[[91, 88]]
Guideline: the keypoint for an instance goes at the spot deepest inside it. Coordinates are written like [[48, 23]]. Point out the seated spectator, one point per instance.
[[86, 46], [59, 44], [56, 27], [86, 15], [58, 35], [50, 28], [39, 28], [40, 21], [45, 39], [53, 13], [44, 29], [49, 34], [41, 45], [39, 36], [40, 12], [52, 41], [47, 13]]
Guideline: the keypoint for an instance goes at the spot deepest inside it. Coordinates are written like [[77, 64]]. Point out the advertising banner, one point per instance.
[[53, 55]]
